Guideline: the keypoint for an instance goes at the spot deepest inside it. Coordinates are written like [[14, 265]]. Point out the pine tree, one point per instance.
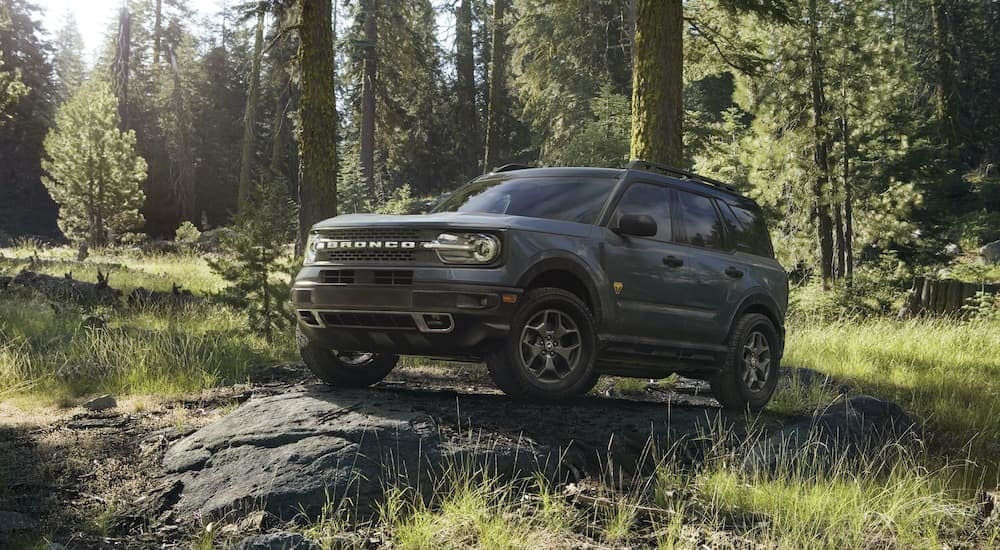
[[93, 172], [11, 87], [67, 59]]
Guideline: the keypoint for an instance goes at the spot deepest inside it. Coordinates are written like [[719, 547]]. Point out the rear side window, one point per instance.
[[750, 232], [700, 221]]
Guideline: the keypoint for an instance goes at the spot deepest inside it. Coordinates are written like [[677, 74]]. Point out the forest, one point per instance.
[[865, 129], [154, 201]]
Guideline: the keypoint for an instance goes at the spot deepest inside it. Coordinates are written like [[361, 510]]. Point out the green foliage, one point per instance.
[[256, 261], [11, 87], [93, 171], [187, 233], [400, 202], [603, 140], [984, 306]]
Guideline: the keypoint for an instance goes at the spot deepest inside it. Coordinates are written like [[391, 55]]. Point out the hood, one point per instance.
[[458, 220]]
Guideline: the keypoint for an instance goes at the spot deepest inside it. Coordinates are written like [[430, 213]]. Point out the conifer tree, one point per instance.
[[93, 171]]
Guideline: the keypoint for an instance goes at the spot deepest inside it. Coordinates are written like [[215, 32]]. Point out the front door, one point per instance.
[[639, 268]]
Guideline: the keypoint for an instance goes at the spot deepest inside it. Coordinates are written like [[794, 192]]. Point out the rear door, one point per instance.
[[638, 267], [716, 277]]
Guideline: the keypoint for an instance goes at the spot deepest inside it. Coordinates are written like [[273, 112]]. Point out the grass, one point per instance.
[[946, 373], [48, 354]]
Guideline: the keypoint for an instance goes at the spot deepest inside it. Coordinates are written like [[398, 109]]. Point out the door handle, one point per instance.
[[673, 261], [733, 272]]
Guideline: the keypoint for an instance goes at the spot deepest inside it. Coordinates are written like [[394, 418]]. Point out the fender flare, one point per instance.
[[759, 298], [555, 261]]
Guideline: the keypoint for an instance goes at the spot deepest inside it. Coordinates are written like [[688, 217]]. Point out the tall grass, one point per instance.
[[945, 372], [49, 352]]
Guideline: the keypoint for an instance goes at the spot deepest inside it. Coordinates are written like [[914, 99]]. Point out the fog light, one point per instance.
[[509, 298]]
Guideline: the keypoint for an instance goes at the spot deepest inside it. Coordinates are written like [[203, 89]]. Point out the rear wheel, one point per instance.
[[351, 369], [549, 351], [750, 373]]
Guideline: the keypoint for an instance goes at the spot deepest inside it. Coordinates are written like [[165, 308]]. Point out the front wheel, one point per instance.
[[750, 374], [549, 351], [350, 369]]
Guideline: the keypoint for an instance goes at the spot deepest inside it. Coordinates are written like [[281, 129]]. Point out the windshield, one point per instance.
[[574, 199]]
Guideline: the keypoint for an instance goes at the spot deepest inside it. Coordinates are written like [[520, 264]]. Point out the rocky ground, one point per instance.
[[253, 457]]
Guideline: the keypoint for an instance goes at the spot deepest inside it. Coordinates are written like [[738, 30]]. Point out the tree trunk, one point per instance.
[[943, 85], [657, 82], [123, 55], [317, 131], [250, 114], [465, 68], [157, 31], [848, 250], [821, 207], [497, 93], [369, 84]]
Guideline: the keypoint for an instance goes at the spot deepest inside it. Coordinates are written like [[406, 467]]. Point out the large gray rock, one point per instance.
[[991, 252], [292, 453], [847, 430], [277, 541]]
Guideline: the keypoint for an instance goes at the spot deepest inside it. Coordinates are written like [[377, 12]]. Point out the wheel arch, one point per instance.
[[764, 305], [568, 274]]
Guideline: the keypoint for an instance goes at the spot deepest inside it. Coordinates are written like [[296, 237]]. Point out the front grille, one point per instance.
[[376, 255], [347, 255], [370, 320], [337, 276], [395, 277]]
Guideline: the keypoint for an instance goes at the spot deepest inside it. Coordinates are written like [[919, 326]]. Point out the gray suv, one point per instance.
[[553, 277]]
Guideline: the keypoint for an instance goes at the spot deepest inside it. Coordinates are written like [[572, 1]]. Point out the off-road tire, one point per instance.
[[730, 386], [329, 368], [572, 334]]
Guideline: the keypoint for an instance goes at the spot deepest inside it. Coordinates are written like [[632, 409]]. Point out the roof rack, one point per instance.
[[647, 166], [512, 167]]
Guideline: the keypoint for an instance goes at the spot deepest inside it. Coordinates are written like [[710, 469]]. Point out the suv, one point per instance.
[[553, 277]]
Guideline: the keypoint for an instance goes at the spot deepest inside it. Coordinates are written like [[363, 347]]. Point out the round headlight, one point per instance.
[[485, 248]]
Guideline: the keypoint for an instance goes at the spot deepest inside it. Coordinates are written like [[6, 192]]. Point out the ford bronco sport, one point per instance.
[[553, 277]]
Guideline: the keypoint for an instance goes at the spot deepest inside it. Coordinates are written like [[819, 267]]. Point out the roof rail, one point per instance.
[[647, 166], [512, 167]]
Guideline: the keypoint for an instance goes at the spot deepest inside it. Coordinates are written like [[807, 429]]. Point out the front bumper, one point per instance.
[[454, 321]]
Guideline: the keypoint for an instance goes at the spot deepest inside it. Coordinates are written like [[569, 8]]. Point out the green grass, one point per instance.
[[128, 270], [946, 373]]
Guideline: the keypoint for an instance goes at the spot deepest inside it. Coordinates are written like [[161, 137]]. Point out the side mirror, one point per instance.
[[637, 225]]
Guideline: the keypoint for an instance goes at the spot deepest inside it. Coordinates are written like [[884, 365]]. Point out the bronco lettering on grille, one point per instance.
[[365, 245]]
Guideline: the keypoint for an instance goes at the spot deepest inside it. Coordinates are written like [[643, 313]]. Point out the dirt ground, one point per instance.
[[86, 479]]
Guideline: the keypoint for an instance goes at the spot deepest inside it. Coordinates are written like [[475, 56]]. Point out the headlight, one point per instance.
[[310, 257], [466, 248]]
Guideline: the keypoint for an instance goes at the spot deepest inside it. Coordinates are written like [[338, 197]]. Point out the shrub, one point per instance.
[[186, 233]]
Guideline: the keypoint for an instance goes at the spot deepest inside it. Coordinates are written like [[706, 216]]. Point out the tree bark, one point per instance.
[[821, 206], [317, 131], [497, 93], [250, 113], [657, 82], [465, 68], [369, 84]]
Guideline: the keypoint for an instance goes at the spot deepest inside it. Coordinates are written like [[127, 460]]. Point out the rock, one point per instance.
[[991, 252], [952, 249], [64, 288], [5, 282], [95, 322], [293, 453], [283, 540], [847, 430], [15, 521], [101, 403]]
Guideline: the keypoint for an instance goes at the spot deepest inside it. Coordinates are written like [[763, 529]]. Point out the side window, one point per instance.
[[701, 223], [652, 200], [751, 234]]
